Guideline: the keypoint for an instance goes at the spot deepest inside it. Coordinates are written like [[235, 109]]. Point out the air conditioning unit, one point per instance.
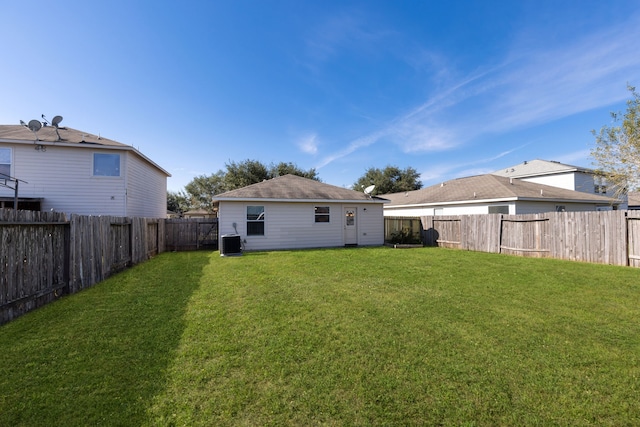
[[230, 245]]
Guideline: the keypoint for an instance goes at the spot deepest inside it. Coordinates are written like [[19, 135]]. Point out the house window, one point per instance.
[[106, 164], [561, 208], [600, 188], [5, 162], [255, 220], [499, 209], [322, 213]]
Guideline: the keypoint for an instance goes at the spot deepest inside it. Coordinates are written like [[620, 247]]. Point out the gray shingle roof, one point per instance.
[[68, 136], [48, 134], [293, 187], [539, 167], [489, 187]]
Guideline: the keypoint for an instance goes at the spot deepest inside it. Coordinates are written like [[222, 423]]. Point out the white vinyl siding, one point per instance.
[[63, 177], [146, 189], [291, 225], [564, 180], [409, 212], [537, 207]]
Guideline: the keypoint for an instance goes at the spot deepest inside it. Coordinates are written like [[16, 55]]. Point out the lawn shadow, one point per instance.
[[99, 356]]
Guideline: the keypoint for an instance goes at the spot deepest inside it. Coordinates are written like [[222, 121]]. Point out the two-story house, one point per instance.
[[561, 175], [67, 170]]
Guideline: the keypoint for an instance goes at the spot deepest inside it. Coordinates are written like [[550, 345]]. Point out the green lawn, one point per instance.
[[367, 336]]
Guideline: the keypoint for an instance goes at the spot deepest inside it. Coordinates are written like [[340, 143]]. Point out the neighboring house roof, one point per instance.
[[295, 188], [490, 188], [539, 167], [634, 199], [68, 137]]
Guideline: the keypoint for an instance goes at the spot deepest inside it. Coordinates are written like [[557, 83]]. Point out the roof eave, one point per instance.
[[457, 202], [280, 200]]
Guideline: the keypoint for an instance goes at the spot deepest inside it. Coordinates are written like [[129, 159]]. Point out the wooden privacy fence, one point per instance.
[[45, 255], [191, 234], [607, 237]]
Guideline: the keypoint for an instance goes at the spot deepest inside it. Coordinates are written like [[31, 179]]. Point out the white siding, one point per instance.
[[63, 178], [445, 210], [293, 226], [146, 189], [565, 180], [408, 212], [370, 225], [538, 207]]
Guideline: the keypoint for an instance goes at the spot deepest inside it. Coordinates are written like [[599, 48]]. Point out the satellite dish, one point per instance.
[[369, 189], [56, 121], [34, 125]]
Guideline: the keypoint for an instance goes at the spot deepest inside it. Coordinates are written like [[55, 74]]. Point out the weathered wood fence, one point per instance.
[[607, 237], [191, 234], [45, 254]]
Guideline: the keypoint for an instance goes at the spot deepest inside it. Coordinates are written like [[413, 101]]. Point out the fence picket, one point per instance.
[[44, 254], [606, 237]]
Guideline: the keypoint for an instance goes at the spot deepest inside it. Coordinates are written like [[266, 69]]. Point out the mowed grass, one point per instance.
[[367, 336]]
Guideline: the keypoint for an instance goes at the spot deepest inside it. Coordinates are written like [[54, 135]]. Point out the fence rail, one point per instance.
[[45, 254], [607, 237]]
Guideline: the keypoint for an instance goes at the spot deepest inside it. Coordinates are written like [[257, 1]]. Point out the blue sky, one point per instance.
[[451, 88]]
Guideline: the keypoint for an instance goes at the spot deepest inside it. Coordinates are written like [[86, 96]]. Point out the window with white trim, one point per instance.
[[5, 163], [255, 220], [106, 164], [322, 214]]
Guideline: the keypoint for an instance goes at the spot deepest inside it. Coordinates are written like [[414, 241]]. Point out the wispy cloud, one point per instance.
[[308, 144], [353, 146], [346, 32], [530, 86]]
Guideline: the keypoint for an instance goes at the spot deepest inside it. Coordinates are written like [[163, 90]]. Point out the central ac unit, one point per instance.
[[230, 245]]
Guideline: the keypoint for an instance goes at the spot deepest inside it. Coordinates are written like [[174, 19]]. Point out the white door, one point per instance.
[[350, 227]]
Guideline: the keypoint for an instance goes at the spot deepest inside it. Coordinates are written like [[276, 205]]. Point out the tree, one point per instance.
[[202, 188], [391, 179], [177, 201], [252, 171], [283, 168], [617, 149], [244, 173]]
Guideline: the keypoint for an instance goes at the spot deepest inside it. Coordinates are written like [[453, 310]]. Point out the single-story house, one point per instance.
[[291, 212], [199, 213], [561, 175], [484, 194], [67, 170]]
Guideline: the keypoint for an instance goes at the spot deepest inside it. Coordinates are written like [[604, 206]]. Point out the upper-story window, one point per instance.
[[5, 162], [106, 164]]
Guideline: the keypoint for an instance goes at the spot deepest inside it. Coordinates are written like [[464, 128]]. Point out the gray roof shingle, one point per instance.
[[48, 134], [68, 137], [489, 187], [539, 167], [293, 187]]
